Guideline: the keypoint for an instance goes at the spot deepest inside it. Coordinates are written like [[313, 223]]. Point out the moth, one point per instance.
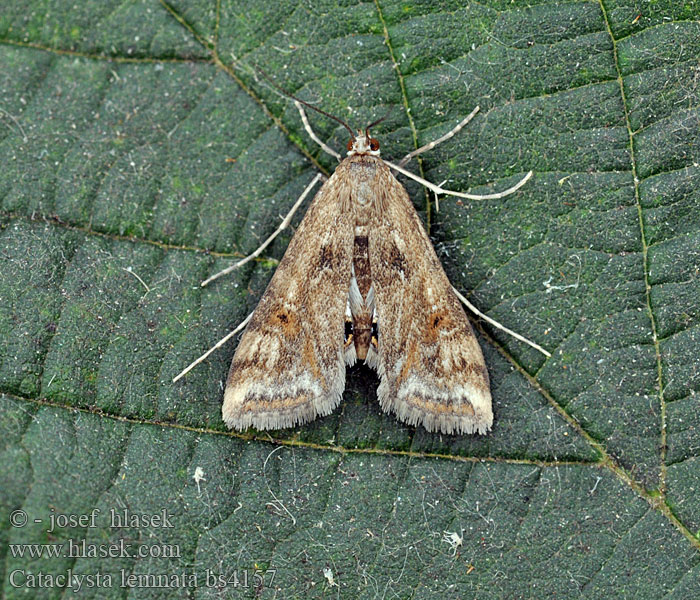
[[360, 281]]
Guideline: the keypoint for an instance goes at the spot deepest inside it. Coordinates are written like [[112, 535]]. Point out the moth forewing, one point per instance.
[[289, 366], [431, 366], [360, 254]]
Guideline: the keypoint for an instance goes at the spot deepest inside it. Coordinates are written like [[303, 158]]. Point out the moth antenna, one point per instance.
[[304, 102], [377, 122]]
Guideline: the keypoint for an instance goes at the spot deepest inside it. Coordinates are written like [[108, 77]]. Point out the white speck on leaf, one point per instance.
[[198, 476], [454, 539], [328, 574]]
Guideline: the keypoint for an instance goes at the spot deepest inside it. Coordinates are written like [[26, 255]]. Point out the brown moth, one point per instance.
[[360, 280]]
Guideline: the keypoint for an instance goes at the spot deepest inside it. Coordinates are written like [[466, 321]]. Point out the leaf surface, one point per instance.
[[142, 151]]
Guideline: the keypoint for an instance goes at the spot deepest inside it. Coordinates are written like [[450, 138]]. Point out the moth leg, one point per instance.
[[218, 344], [447, 136], [437, 197], [266, 243], [496, 324], [311, 133]]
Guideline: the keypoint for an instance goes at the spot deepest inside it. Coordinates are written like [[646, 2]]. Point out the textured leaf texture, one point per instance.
[[142, 151]]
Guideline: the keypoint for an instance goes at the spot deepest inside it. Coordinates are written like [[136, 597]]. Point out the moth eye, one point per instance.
[[350, 145], [373, 144]]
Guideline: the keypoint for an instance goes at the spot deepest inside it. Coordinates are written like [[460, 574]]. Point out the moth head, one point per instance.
[[363, 143]]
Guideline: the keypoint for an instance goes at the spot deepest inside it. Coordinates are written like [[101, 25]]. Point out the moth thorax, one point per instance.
[[364, 193]]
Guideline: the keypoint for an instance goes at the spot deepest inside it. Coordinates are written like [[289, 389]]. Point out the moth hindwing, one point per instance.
[[360, 256]]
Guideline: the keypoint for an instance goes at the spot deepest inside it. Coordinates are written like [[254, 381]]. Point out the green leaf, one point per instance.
[[142, 151]]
